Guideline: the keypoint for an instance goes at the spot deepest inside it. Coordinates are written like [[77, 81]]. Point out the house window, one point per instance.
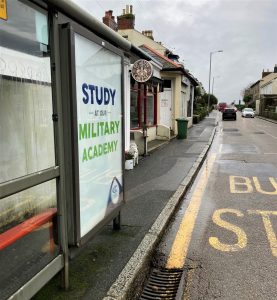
[[183, 103], [143, 105], [189, 102], [134, 109], [167, 84], [150, 109]]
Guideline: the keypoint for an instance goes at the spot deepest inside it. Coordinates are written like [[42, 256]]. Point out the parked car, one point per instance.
[[229, 113], [248, 113]]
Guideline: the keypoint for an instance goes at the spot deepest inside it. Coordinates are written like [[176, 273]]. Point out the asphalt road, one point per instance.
[[228, 221]]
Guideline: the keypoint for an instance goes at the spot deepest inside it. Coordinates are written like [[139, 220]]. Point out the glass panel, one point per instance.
[[26, 29], [27, 219], [150, 110], [99, 111], [189, 102], [167, 83], [26, 127], [41, 28], [28, 238], [134, 110]]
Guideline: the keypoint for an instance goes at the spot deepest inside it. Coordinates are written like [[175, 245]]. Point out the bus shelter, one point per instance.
[[62, 138]]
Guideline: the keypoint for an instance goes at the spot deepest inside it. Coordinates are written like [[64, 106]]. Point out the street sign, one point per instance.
[[142, 70]]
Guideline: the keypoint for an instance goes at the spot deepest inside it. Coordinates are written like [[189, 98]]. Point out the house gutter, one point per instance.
[[193, 81], [136, 50]]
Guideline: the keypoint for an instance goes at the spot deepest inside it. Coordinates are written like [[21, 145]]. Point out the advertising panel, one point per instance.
[[99, 117]]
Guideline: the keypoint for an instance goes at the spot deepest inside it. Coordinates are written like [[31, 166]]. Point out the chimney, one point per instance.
[[265, 73], [275, 69], [149, 34], [127, 19], [173, 57], [109, 20]]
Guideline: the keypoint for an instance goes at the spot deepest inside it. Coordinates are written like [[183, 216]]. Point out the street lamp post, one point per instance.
[[213, 84], [209, 96]]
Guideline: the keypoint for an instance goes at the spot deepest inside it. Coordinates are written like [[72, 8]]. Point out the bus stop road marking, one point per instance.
[[239, 232]]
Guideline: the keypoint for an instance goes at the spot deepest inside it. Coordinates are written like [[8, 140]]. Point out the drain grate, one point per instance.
[[258, 132], [162, 284]]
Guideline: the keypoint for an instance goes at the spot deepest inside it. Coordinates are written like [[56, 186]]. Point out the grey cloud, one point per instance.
[[244, 29]]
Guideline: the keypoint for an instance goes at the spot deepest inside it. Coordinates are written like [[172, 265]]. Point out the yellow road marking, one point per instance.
[[259, 189], [243, 181], [241, 235], [180, 245], [268, 228]]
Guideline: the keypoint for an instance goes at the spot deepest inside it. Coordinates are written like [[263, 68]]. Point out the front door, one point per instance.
[[166, 108]]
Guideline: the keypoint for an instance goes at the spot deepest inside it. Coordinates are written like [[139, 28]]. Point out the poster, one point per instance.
[[99, 117]]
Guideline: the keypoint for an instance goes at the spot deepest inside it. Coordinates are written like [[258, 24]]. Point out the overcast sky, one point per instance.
[[246, 30]]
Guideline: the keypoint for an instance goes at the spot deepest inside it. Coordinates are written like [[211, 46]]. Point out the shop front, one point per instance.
[[144, 106]]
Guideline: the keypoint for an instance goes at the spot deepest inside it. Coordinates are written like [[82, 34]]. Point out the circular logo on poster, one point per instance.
[[142, 70], [115, 191]]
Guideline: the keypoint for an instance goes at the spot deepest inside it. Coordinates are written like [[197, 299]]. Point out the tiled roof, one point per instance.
[[165, 61], [255, 83], [268, 78]]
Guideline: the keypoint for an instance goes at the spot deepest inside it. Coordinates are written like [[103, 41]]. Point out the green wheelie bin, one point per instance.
[[182, 125]]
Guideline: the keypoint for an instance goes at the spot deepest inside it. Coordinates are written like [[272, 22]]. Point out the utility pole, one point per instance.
[[210, 70]]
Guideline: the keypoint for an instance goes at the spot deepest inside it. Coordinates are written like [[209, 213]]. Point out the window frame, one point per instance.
[[27, 181]]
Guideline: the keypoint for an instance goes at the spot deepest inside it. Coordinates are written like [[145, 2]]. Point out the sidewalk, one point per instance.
[[153, 189], [266, 119]]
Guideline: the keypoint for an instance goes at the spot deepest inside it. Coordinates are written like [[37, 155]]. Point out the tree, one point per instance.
[[198, 98], [213, 99], [247, 99], [197, 92], [247, 94]]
